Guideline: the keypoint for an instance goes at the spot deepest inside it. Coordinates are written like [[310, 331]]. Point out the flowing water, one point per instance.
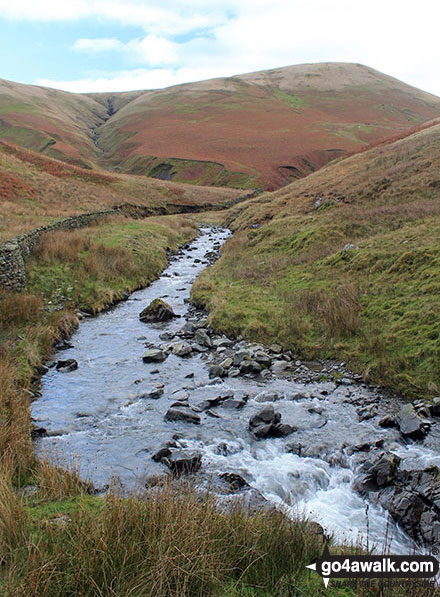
[[99, 416]]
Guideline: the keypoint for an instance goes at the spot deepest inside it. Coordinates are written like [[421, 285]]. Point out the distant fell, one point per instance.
[[263, 129]]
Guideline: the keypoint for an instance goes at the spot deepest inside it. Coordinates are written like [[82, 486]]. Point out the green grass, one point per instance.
[[293, 101]]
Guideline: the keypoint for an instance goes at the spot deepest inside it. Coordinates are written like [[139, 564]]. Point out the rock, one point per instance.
[[267, 423], [164, 451], [410, 424], [180, 396], [234, 372], [222, 343], [279, 366], [154, 355], [235, 481], [263, 358], [368, 412], [201, 337], [182, 349], [182, 413], [157, 311], [181, 462], [187, 330], [250, 367], [38, 432], [387, 421], [226, 363], [216, 371], [240, 356], [267, 397], [67, 365], [435, 407], [155, 393], [276, 348], [233, 403]]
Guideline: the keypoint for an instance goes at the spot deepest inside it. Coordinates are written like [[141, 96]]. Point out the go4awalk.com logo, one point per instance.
[[328, 566]]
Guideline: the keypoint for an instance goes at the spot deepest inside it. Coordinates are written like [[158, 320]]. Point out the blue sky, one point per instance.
[[117, 45]]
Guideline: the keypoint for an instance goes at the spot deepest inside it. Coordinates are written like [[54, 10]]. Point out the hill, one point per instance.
[[343, 264], [262, 129], [35, 189]]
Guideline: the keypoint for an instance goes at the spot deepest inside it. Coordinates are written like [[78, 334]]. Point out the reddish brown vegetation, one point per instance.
[[54, 167], [11, 186]]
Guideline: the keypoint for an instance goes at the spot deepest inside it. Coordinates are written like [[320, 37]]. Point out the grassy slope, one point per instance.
[[35, 189], [54, 122], [376, 306], [268, 126], [63, 541]]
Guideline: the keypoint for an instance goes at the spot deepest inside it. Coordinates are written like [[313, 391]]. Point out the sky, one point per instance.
[[122, 45]]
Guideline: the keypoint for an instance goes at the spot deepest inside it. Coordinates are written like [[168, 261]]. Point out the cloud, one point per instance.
[[135, 79], [97, 45], [190, 37]]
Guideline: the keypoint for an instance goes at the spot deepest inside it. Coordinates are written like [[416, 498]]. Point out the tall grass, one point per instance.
[[175, 543]]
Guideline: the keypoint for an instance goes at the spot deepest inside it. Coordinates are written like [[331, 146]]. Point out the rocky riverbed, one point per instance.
[[145, 391]]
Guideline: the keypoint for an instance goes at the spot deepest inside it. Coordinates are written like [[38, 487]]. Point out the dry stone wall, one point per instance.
[[14, 252]]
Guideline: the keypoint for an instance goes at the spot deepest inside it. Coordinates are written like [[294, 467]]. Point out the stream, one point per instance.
[[107, 416]]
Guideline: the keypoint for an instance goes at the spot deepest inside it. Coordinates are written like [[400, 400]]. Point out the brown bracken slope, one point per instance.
[[261, 129]]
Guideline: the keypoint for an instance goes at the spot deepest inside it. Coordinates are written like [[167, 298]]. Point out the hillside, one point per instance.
[[35, 189], [343, 264], [261, 129], [265, 128]]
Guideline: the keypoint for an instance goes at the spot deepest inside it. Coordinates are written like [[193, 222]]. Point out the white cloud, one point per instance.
[[229, 37], [97, 45]]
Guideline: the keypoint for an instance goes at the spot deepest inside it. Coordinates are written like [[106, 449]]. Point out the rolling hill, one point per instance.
[[261, 129], [36, 189], [344, 264]]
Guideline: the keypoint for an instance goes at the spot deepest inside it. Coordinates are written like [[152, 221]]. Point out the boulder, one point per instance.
[[267, 423], [279, 366], [182, 413], [201, 337], [387, 421], [182, 462], [250, 367], [67, 365], [154, 355], [157, 311], [410, 424], [435, 407], [182, 349], [216, 371], [235, 481]]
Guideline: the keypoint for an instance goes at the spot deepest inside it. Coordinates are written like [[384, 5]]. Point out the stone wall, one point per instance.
[[14, 252]]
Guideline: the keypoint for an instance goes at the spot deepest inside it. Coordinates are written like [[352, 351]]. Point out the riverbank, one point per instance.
[[58, 539]]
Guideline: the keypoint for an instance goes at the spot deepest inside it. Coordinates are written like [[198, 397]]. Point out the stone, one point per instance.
[[182, 413], [216, 371], [276, 348], [435, 407], [267, 397], [226, 363], [409, 423], [279, 366], [154, 355], [182, 349], [235, 481], [267, 423], [250, 367], [181, 462], [157, 311], [387, 421], [201, 337], [67, 365], [240, 356], [154, 393]]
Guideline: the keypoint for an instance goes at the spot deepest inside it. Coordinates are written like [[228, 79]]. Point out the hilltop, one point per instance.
[[262, 129], [343, 264]]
